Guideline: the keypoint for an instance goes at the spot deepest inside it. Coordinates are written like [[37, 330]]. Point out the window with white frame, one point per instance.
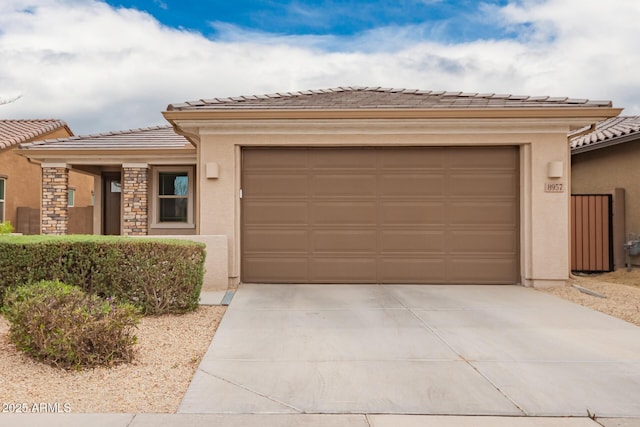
[[2, 192], [71, 197], [173, 198]]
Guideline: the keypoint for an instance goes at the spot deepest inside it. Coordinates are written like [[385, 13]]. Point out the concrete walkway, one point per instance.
[[436, 350], [300, 420]]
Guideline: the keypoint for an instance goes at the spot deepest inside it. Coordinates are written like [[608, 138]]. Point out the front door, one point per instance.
[[112, 192]]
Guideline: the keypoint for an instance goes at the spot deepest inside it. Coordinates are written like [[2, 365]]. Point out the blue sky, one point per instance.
[[104, 65], [460, 20]]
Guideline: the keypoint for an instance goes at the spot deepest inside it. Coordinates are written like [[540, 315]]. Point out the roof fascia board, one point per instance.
[[86, 161], [596, 113], [119, 152], [89, 156]]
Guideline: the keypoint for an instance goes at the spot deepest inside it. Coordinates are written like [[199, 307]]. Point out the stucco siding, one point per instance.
[[22, 183], [600, 171], [544, 217]]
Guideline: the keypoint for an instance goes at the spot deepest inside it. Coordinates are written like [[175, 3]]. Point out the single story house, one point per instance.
[[604, 160], [347, 185], [21, 179]]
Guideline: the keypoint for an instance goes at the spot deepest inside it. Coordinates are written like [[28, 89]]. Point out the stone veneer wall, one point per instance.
[[55, 202], [135, 200]]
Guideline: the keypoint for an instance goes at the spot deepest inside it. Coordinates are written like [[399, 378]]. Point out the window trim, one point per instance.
[[155, 197], [3, 217]]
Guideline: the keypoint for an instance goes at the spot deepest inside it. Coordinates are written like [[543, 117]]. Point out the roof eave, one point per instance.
[[594, 113], [45, 153], [604, 144]]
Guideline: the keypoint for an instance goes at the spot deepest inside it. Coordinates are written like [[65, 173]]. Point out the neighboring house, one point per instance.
[[604, 158], [21, 179], [346, 185]]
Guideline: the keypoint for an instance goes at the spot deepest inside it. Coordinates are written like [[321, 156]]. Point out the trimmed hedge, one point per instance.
[[157, 276], [64, 326]]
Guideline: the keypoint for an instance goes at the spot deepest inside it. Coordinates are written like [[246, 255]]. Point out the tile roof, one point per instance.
[[377, 97], [608, 132], [13, 132], [156, 137]]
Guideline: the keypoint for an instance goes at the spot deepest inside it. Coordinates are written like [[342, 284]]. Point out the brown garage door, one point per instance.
[[380, 215]]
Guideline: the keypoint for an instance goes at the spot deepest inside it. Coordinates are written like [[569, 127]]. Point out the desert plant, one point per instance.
[[6, 227], [64, 326]]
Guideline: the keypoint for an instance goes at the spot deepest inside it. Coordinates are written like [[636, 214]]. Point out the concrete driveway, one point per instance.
[[405, 349]]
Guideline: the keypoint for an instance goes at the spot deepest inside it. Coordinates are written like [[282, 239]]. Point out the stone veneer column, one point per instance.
[[54, 218], [135, 199]]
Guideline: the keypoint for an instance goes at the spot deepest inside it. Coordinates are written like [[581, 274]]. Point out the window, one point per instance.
[[71, 197], [174, 196], [2, 186], [173, 201]]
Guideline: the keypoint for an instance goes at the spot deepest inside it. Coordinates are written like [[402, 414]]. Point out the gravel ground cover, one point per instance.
[[621, 289], [169, 349]]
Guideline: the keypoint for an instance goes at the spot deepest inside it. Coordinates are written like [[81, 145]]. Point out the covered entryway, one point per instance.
[[380, 215]]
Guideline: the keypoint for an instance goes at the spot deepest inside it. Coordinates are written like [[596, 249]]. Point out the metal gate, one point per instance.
[[591, 233]]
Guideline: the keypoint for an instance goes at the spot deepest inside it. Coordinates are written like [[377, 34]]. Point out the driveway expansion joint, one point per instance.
[[467, 361], [300, 411]]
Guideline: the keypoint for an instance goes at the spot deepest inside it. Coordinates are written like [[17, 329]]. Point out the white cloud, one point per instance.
[[101, 68]]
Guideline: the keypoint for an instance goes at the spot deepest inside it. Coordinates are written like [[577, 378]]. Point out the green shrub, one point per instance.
[[157, 276], [64, 326], [6, 227]]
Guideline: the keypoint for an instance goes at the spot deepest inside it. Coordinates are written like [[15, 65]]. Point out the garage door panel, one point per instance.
[[413, 270], [380, 215], [343, 185], [412, 213], [343, 270], [412, 185], [489, 185], [276, 185], [279, 240], [270, 160], [348, 240], [411, 241], [483, 242], [283, 212], [482, 270], [349, 159], [344, 212], [433, 159], [264, 269], [492, 158], [482, 213]]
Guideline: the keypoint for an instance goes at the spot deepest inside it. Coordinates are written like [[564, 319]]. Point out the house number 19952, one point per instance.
[[554, 187]]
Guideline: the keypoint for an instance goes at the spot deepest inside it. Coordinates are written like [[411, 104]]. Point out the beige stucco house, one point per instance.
[[21, 179], [604, 160], [347, 185]]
